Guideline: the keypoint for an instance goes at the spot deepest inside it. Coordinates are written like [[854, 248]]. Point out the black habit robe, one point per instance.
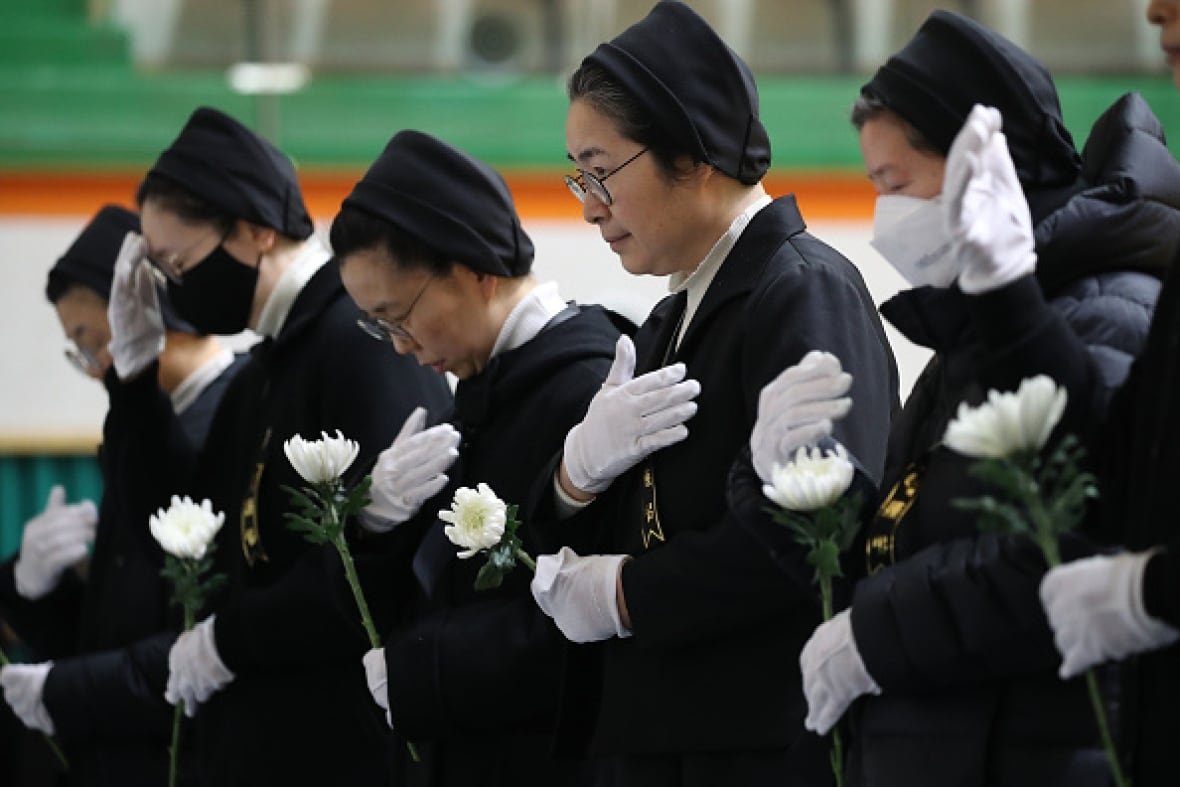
[[474, 676], [712, 666]]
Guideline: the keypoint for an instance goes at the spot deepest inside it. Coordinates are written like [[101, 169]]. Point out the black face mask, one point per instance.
[[216, 295]]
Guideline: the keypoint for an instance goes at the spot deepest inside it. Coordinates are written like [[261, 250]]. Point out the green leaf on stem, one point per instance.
[[502, 558], [489, 577]]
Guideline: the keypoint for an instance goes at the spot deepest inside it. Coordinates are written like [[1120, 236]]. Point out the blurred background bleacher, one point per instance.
[[91, 90]]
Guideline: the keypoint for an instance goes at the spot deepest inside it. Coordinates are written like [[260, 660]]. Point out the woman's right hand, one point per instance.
[[410, 472], [797, 409], [628, 419], [137, 324]]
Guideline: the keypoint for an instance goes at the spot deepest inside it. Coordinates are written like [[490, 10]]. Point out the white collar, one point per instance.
[[278, 305], [697, 282], [528, 317], [194, 385]]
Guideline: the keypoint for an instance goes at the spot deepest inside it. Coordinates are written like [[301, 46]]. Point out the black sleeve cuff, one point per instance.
[[1161, 587], [1008, 315], [415, 700]]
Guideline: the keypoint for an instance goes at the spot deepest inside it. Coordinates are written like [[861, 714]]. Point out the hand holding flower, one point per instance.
[[1043, 498], [186, 532], [811, 494], [325, 506]]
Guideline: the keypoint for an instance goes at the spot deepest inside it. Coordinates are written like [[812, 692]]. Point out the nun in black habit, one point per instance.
[[100, 634], [273, 666], [689, 672], [432, 250]]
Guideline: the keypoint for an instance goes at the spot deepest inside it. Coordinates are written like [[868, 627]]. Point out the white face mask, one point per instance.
[[911, 234]]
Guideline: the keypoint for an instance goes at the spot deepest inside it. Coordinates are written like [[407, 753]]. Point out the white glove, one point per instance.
[[629, 418], [833, 673], [986, 212], [53, 541], [374, 662], [797, 409], [195, 670], [1095, 607], [579, 593], [137, 324], [23, 686], [410, 472]]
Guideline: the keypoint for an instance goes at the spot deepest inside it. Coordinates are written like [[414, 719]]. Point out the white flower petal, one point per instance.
[[185, 529], [1008, 423], [477, 519], [811, 480], [321, 461]]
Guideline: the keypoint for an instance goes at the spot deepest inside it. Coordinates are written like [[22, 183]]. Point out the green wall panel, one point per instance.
[[115, 117]]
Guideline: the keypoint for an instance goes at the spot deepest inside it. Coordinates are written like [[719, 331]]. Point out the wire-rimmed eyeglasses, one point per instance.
[[169, 267], [81, 358], [588, 182], [384, 331]]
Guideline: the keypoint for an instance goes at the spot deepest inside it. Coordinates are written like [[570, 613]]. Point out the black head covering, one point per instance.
[[953, 63], [448, 201], [697, 88], [228, 165], [90, 261]]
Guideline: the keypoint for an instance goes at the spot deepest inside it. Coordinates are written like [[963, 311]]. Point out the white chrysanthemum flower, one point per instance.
[[321, 461], [477, 519], [1008, 423], [186, 529], [812, 480]]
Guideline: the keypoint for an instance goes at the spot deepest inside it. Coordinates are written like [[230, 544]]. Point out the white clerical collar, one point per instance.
[[697, 282], [194, 385], [528, 318], [274, 312]]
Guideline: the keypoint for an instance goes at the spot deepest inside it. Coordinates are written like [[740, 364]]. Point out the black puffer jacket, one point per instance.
[[949, 623]]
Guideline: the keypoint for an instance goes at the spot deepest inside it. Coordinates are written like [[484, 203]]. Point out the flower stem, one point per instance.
[[50, 741], [837, 754], [358, 595], [355, 584], [190, 618], [1116, 768], [524, 558], [1047, 540]]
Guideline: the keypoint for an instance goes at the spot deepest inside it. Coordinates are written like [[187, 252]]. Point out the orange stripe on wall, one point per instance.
[[539, 195]]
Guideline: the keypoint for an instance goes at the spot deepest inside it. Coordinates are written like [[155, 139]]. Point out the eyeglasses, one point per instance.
[[81, 358], [384, 331], [586, 182], [169, 266]]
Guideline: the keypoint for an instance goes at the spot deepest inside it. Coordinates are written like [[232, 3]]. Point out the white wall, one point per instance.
[[43, 399]]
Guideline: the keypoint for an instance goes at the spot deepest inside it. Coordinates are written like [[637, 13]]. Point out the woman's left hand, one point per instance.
[[834, 673]]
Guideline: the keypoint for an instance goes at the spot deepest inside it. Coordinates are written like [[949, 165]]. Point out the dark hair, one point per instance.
[[60, 285], [868, 106], [175, 198], [356, 230], [591, 83]]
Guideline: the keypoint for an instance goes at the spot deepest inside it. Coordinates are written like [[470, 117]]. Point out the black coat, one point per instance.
[[949, 623], [474, 676], [298, 711], [712, 666], [109, 636]]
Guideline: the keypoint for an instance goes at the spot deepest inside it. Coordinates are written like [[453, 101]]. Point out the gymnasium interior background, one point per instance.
[[92, 90]]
